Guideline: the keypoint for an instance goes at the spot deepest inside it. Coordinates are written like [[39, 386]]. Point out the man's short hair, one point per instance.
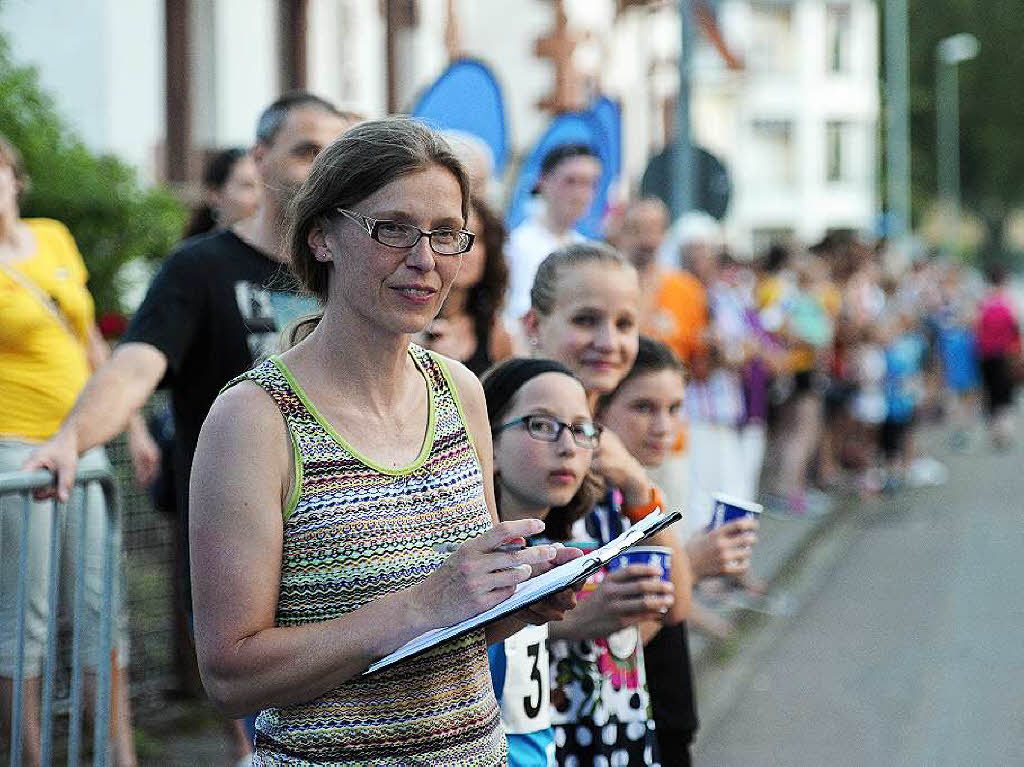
[[563, 152], [273, 117]]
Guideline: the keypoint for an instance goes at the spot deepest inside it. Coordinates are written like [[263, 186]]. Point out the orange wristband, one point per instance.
[[636, 513]]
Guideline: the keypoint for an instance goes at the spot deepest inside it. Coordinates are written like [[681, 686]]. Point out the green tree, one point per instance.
[[112, 217], [991, 105]]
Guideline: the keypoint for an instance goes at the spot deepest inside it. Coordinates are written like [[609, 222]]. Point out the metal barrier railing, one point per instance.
[[23, 484]]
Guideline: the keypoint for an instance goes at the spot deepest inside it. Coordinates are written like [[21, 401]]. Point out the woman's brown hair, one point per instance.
[[364, 160], [485, 298]]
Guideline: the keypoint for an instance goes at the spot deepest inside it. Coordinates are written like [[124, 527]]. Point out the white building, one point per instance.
[[798, 125], [159, 82]]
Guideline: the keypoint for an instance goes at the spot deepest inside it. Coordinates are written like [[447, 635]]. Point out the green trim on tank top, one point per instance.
[[296, 493], [456, 396], [428, 440]]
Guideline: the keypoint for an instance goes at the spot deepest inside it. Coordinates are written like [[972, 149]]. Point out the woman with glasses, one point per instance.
[[333, 482], [544, 439], [584, 314]]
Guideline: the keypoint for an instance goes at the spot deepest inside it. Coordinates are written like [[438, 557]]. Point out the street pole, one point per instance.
[[682, 158], [948, 156], [897, 80], [950, 52]]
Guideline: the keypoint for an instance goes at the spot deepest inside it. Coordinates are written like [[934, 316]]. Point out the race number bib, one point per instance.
[[525, 700]]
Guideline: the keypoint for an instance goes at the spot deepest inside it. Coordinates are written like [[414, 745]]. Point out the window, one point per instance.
[[837, 38], [771, 43], [772, 156], [837, 161]]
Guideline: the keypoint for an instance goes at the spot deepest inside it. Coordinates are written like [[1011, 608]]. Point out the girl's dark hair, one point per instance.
[[651, 357], [544, 293], [484, 300], [215, 175], [365, 159], [501, 383]]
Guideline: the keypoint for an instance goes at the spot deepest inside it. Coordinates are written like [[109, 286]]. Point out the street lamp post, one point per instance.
[[950, 52], [897, 81], [682, 173]]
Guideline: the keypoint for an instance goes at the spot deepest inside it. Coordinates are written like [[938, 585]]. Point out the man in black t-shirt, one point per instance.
[[211, 312], [216, 307]]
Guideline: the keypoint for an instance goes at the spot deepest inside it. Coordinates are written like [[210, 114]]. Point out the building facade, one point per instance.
[[784, 92], [798, 125]]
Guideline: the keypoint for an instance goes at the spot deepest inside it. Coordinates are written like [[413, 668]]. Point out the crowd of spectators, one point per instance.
[[656, 369]]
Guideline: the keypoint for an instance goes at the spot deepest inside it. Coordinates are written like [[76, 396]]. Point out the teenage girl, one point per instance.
[[544, 439], [584, 313]]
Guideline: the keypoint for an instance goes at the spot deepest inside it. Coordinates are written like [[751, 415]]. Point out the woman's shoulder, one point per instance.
[[54, 238], [244, 405], [49, 227]]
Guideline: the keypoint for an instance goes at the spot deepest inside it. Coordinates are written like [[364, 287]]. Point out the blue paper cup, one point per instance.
[[728, 508], [660, 556]]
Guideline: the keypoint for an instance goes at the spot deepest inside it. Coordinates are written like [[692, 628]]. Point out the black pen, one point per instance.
[[451, 548]]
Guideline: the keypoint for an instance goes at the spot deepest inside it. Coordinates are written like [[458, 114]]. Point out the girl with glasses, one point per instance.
[[543, 442], [342, 499], [585, 308]]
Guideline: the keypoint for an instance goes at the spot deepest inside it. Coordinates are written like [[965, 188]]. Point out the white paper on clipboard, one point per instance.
[[535, 589]]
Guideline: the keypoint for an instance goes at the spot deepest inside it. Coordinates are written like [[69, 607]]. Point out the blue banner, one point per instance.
[[467, 97]]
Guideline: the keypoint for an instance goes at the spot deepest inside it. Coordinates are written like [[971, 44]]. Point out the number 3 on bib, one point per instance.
[[525, 699]]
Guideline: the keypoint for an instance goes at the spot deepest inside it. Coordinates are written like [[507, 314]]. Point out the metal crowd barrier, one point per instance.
[[23, 483]]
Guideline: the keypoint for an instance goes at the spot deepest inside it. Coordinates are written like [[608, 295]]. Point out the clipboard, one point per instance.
[[535, 589]]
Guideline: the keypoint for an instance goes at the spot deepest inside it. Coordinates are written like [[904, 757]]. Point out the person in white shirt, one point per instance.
[[568, 179]]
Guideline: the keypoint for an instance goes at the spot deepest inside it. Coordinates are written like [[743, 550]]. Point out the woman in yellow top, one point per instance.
[[49, 343]]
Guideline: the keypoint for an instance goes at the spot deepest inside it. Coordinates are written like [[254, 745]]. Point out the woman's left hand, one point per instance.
[[620, 469], [558, 604]]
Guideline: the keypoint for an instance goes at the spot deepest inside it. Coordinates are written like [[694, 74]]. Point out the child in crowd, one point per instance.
[[715, 405], [904, 356], [644, 410], [544, 440], [585, 313], [954, 319]]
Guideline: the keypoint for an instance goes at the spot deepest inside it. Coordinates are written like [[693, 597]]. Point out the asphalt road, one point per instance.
[[909, 647]]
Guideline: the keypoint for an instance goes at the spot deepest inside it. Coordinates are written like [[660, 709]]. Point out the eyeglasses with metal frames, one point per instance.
[[547, 428], [395, 234]]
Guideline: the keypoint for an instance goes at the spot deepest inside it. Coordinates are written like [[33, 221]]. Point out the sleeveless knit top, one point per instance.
[[354, 532]]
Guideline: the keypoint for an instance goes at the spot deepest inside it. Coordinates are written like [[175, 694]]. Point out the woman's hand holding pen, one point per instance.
[[479, 575], [555, 606]]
